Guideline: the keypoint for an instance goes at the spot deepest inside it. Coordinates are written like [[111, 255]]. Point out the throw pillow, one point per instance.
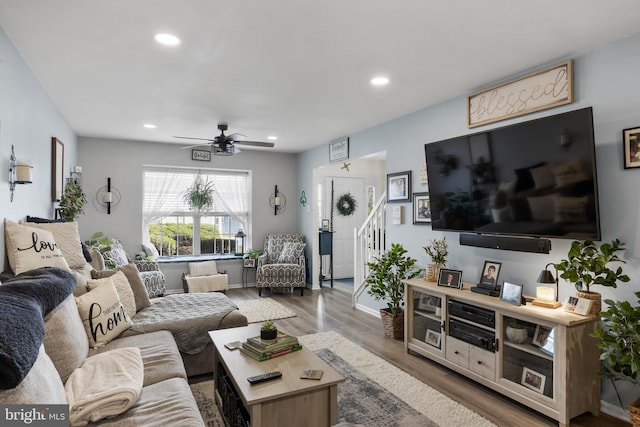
[[291, 252], [119, 280], [116, 256], [103, 315], [150, 250], [569, 173], [67, 237], [524, 177], [206, 268], [135, 281], [542, 177], [542, 208], [571, 209], [29, 248]]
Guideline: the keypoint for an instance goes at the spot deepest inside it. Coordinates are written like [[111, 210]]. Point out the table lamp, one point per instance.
[[544, 294]]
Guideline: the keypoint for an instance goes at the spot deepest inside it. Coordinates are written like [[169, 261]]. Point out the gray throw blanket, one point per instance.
[[189, 317], [24, 302]]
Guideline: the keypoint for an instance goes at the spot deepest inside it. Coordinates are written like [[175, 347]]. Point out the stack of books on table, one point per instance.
[[261, 350]]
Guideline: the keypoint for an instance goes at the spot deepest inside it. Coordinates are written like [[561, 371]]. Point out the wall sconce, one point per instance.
[[240, 236], [277, 201], [544, 295], [19, 173], [108, 197]]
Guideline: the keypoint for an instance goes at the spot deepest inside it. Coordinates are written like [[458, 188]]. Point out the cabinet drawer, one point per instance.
[[458, 352], [482, 362]]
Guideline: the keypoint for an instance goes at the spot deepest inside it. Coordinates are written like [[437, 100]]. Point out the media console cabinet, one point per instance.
[[541, 357]]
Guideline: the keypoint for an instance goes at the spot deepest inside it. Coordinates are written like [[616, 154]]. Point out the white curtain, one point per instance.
[[164, 189]]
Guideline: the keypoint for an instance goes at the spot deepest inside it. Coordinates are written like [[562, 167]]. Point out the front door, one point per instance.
[[343, 235]]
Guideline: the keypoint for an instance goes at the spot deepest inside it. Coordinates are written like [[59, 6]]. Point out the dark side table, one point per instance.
[[326, 248]]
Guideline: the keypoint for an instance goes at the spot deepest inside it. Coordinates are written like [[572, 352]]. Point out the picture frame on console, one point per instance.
[[399, 187], [543, 338], [511, 293], [428, 303], [433, 338], [450, 278], [631, 145], [533, 380], [490, 274]]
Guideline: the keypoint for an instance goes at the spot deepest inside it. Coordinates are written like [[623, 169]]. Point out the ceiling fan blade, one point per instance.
[[206, 144], [255, 143], [235, 136], [188, 137]]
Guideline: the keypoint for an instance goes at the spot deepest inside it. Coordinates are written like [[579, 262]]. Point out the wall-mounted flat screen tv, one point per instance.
[[536, 178]]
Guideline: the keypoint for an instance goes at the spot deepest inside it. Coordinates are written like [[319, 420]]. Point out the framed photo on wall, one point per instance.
[[631, 144], [450, 278], [399, 187], [421, 208], [57, 169]]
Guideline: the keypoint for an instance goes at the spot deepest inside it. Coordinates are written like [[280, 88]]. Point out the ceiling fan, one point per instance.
[[225, 145]]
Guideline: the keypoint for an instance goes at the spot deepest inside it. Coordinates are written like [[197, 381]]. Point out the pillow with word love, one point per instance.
[[103, 315], [29, 248]]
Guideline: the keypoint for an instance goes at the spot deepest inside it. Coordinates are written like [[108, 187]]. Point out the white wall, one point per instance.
[[28, 121], [605, 78], [123, 161]]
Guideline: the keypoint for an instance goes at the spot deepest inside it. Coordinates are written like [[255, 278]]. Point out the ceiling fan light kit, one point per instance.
[[226, 145]]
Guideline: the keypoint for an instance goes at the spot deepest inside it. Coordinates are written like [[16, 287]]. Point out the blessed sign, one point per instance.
[[548, 88]]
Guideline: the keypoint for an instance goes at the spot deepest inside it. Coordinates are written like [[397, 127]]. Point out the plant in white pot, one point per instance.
[[438, 251], [385, 283], [587, 265], [620, 346]]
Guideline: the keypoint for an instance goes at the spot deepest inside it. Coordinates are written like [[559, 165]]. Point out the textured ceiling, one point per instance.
[[296, 69]]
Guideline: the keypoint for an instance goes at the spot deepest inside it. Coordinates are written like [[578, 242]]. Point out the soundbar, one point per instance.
[[507, 243]]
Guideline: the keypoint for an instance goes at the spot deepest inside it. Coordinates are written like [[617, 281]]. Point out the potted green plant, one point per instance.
[[268, 331], [587, 265], [438, 251], [620, 346], [385, 283], [200, 195], [72, 201]]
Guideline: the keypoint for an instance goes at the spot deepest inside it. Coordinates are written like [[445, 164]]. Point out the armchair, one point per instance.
[[282, 263], [114, 256]]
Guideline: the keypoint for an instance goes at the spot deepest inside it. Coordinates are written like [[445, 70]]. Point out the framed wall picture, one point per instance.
[[57, 169], [421, 209], [511, 293], [339, 150], [631, 146], [450, 278], [489, 275], [399, 187], [532, 379], [200, 155]]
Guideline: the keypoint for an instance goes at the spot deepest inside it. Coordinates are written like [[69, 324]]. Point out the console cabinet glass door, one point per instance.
[[528, 355], [427, 319]]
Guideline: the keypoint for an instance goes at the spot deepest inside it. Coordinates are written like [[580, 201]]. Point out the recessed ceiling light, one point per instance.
[[167, 39], [379, 81], [272, 138], [150, 126]]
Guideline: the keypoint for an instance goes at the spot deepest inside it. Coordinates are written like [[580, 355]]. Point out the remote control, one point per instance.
[[264, 377]]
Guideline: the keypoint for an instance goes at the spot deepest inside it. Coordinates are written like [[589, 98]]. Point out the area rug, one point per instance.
[[375, 392], [259, 310]]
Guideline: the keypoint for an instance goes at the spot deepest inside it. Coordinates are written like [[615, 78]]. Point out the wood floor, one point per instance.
[[330, 310]]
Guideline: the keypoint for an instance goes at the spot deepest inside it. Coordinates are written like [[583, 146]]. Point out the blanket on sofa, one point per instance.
[[24, 302], [189, 317], [106, 385]]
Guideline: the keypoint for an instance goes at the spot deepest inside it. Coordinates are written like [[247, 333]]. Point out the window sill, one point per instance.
[[196, 258]]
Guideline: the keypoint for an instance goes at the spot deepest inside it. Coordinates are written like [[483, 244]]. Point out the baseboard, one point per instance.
[[614, 411], [368, 310]]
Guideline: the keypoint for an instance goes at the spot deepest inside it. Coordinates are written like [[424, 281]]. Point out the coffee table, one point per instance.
[[287, 401]]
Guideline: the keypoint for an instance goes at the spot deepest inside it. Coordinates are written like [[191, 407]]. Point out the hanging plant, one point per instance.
[[346, 204], [200, 195]]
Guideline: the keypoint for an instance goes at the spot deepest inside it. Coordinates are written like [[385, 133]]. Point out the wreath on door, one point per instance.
[[346, 204]]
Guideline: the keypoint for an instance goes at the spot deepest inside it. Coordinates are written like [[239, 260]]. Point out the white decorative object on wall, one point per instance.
[[397, 215]]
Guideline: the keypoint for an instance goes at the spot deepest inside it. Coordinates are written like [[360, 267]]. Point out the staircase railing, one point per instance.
[[370, 240]]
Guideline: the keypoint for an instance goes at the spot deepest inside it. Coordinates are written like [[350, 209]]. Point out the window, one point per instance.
[[175, 229]]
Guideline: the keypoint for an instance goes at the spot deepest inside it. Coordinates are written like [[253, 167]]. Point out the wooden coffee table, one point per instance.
[[287, 401]]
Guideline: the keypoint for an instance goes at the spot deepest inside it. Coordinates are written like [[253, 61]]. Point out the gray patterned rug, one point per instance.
[[374, 394]]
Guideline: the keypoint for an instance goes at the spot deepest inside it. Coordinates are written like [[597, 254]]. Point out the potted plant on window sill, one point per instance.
[[385, 283], [437, 251], [586, 265]]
